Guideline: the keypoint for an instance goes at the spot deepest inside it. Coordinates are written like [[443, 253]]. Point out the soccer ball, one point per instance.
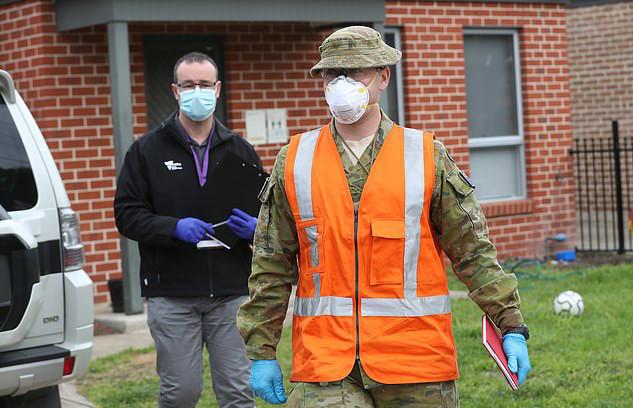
[[568, 303]]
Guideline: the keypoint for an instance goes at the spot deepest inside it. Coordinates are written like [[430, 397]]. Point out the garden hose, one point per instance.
[[531, 269]]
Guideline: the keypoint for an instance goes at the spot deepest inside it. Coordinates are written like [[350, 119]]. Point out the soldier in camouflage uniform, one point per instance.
[[458, 222]]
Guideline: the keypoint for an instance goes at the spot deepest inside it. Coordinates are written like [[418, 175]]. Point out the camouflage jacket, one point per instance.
[[455, 214]]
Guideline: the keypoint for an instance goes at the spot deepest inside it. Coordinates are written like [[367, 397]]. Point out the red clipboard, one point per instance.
[[493, 343]]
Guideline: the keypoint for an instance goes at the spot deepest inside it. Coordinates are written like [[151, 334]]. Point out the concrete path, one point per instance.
[[71, 398], [115, 343]]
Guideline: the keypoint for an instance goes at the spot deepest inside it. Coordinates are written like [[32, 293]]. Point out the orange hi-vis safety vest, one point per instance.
[[377, 291]]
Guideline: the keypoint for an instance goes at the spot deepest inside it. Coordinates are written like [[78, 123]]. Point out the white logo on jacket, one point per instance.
[[172, 165]]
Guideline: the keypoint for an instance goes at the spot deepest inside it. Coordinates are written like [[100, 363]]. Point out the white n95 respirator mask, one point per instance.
[[348, 99]]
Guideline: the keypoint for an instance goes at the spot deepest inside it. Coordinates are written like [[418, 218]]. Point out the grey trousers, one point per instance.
[[180, 326]]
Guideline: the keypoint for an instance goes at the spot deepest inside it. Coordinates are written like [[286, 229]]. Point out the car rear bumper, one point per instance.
[[32, 368], [25, 370]]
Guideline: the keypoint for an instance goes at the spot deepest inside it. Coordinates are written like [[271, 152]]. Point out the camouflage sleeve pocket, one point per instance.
[[460, 183], [262, 232], [467, 201], [267, 188]]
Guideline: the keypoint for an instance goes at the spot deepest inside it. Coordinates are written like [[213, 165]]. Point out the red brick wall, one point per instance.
[[64, 78], [266, 66], [601, 68], [601, 84], [435, 99]]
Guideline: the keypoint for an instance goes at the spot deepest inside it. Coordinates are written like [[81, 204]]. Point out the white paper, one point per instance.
[[276, 123], [208, 244], [211, 243], [256, 126]]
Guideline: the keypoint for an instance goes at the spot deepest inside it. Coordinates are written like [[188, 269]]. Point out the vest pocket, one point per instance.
[[432, 277], [387, 251], [311, 250]]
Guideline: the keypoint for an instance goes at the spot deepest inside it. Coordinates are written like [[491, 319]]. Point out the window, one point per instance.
[[392, 100], [495, 116], [17, 185]]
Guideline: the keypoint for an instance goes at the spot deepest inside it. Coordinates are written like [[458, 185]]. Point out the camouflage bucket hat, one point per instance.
[[355, 47]]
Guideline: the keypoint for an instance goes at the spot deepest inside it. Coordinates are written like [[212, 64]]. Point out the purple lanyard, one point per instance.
[[202, 172]]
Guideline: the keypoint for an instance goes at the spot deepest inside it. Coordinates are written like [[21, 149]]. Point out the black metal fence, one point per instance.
[[603, 169]]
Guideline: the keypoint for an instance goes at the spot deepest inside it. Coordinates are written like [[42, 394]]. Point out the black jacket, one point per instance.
[[150, 198]]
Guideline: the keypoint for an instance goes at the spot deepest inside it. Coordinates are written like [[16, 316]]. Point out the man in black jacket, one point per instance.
[[164, 202]]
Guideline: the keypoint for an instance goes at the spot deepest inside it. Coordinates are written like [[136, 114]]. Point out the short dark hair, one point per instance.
[[194, 57]]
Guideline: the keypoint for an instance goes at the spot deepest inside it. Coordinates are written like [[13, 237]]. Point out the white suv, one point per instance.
[[46, 309]]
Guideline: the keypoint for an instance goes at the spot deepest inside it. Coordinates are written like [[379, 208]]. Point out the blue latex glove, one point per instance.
[[242, 224], [515, 347], [191, 230], [267, 382]]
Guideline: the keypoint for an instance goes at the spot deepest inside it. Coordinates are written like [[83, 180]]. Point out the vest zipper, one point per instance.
[[356, 286]]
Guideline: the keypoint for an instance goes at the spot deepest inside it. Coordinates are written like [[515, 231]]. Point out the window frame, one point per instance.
[[398, 72], [517, 140]]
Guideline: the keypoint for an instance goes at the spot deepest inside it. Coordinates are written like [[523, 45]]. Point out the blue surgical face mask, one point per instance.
[[198, 104]]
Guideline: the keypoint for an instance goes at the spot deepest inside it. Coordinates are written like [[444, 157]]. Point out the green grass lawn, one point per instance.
[[577, 362]]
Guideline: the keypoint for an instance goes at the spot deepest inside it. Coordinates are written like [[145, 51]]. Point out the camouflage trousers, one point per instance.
[[352, 393]]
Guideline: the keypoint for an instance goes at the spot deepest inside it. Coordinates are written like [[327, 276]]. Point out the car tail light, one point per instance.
[[69, 365], [73, 248]]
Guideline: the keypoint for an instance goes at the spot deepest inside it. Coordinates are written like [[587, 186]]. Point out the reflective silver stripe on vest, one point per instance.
[[322, 306], [415, 307], [413, 205], [303, 187], [303, 173], [317, 305], [411, 305], [312, 234]]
